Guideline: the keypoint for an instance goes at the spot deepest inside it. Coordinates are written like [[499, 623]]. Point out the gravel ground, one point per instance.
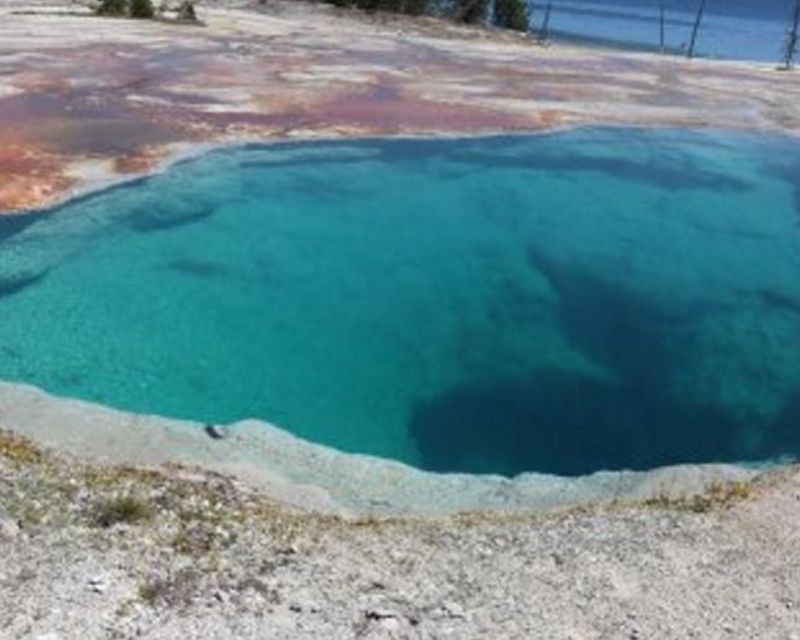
[[121, 552]]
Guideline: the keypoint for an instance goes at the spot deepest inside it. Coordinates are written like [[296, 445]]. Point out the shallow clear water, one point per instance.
[[563, 303], [738, 29]]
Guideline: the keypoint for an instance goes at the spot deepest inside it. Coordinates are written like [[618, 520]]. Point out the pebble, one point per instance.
[[215, 432], [390, 625], [98, 584], [449, 610], [454, 610], [8, 528], [380, 614]]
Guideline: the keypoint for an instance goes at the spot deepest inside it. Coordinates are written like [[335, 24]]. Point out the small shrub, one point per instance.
[[470, 11], [186, 12], [19, 450], [150, 592], [511, 14], [716, 496], [195, 540], [407, 7], [113, 8], [127, 509], [174, 590], [142, 9], [416, 7]]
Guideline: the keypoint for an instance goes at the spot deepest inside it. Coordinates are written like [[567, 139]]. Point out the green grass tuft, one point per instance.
[[124, 509]]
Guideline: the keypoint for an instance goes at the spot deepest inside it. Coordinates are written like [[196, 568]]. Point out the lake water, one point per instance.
[[597, 299], [737, 29]]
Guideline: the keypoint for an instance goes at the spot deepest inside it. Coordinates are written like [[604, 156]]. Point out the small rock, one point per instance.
[[454, 610], [215, 432], [389, 625], [449, 610], [8, 528], [380, 614], [98, 584]]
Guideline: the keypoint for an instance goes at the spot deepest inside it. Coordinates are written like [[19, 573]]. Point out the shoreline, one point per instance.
[[195, 151], [321, 479]]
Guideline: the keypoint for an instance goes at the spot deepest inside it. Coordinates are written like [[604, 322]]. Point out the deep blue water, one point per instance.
[[597, 299], [736, 29]]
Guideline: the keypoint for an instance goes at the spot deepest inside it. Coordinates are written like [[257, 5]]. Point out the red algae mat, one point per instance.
[[85, 101]]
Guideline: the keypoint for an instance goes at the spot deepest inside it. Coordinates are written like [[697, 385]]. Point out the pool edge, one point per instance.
[[321, 479]]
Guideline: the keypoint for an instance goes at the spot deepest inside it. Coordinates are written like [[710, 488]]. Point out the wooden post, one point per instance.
[[531, 27], [544, 32], [696, 29], [792, 39]]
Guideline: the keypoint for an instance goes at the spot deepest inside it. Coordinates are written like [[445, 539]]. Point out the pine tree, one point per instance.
[[511, 14], [142, 9], [470, 11], [112, 8]]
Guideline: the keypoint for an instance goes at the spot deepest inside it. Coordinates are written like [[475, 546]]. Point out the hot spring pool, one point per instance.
[[599, 299]]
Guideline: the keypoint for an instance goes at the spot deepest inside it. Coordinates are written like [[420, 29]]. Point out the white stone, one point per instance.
[[8, 528]]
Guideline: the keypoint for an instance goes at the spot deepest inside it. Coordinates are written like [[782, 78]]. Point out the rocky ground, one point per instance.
[[93, 551]]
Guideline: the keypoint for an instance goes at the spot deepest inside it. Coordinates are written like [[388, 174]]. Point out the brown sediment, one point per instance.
[[29, 175], [117, 96]]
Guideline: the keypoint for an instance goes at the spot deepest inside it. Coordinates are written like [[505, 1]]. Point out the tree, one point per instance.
[[186, 12], [112, 8], [511, 14], [470, 11], [416, 7], [142, 9]]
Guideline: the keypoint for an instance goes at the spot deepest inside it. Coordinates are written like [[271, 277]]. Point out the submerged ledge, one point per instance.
[[321, 479]]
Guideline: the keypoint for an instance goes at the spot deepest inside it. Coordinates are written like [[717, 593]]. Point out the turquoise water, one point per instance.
[[563, 303]]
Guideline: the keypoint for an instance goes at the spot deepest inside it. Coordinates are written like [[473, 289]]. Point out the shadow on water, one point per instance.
[[790, 173], [566, 422], [164, 218], [671, 174], [668, 171], [206, 269], [11, 225], [780, 300], [16, 284]]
